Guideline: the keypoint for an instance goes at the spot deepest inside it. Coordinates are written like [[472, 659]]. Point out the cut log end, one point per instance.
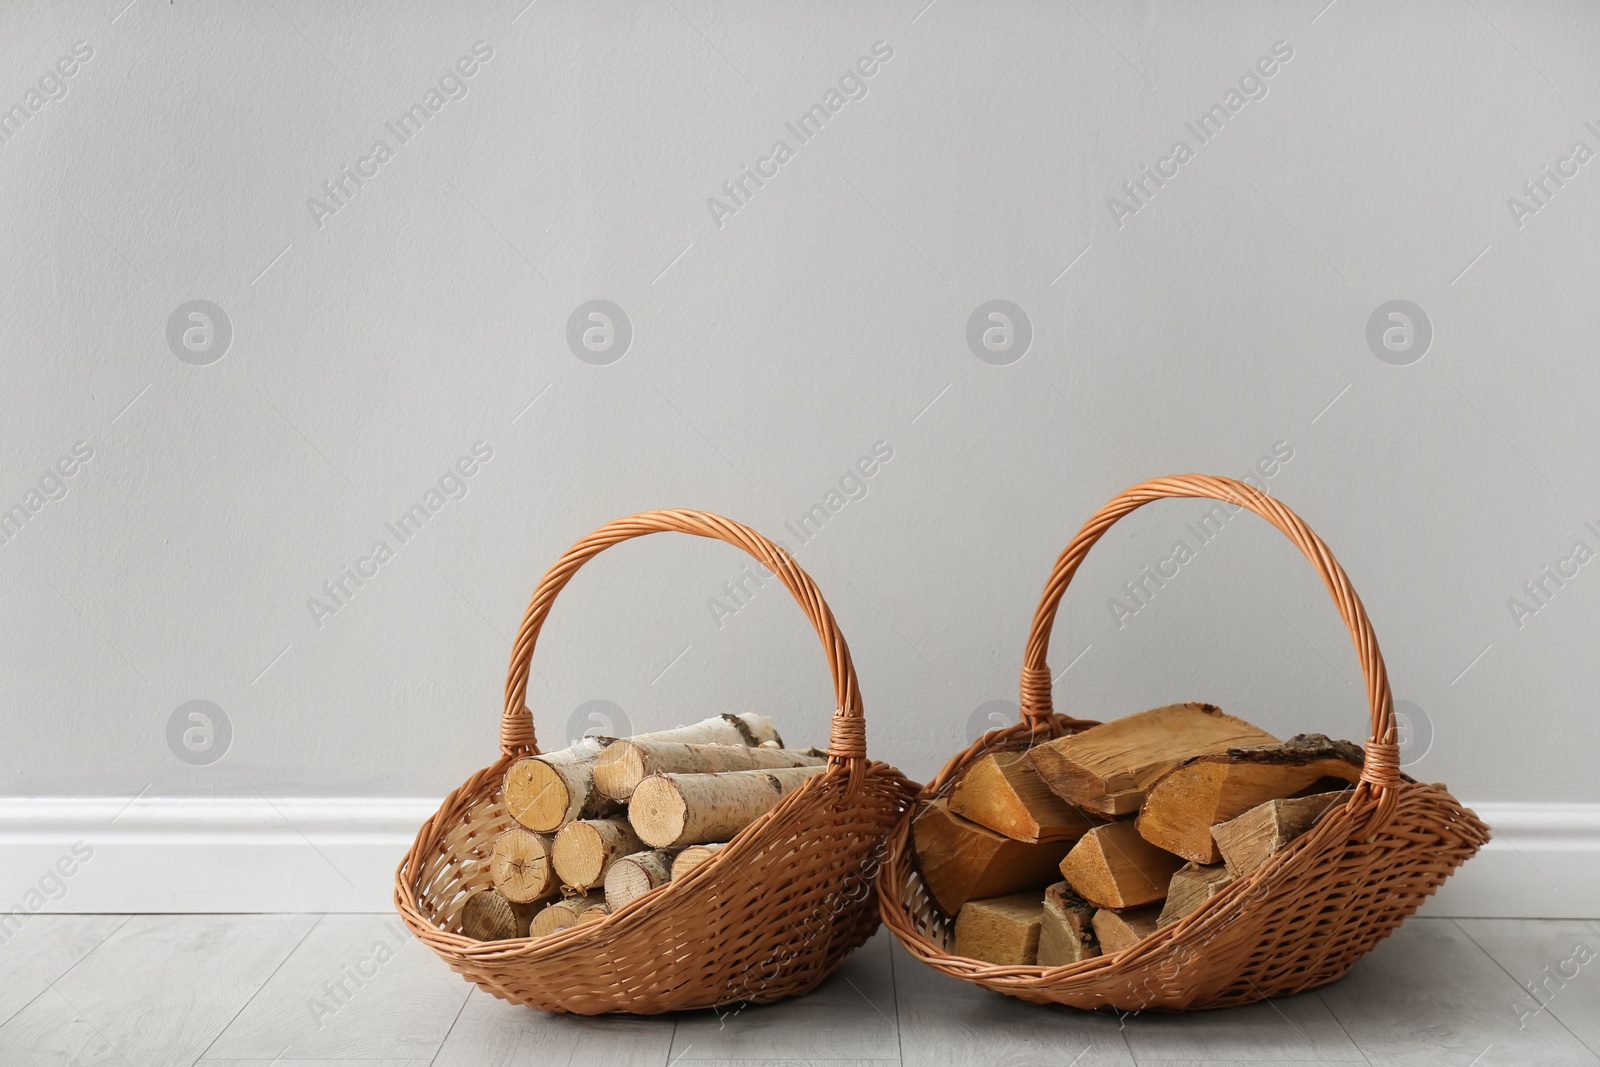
[[1117, 931], [536, 795], [1001, 930], [692, 857], [631, 877], [619, 769], [488, 916], [583, 851], [658, 811], [562, 914], [1113, 867], [520, 866], [1066, 929]]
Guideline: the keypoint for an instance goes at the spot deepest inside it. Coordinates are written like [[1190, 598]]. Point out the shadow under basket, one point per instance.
[[768, 917], [1300, 920]]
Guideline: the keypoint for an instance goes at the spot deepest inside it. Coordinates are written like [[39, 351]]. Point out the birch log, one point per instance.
[[583, 851], [627, 762], [692, 857], [546, 792], [520, 866], [671, 810], [562, 914], [488, 916], [633, 876]]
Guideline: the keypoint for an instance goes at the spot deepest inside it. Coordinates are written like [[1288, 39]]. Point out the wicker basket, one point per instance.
[[1299, 921], [767, 917]]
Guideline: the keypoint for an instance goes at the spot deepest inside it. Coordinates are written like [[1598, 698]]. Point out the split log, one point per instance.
[[1003, 792], [627, 762], [546, 792], [488, 916], [583, 851], [671, 810], [1118, 930], [520, 866], [1066, 930], [1113, 867], [1185, 803], [961, 861], [1191, 887], [562, 914], [1107, 768], [1250, 840], [633, 876], [1003, 930], [692, 857]]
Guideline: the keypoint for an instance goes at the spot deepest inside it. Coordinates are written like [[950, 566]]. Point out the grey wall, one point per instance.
[[1220, 318]]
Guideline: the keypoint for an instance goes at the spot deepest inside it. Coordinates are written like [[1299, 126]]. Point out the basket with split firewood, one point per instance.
[[684, 868], [1173, 859]]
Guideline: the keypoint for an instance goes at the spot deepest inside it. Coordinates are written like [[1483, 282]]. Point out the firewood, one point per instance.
[[1113, 867], [520, 866], [633, 876], [546, 792], [670, 810], [583, 851], [488, 916], [1003, 930], [1118, 930], [594, 914], [1191, 887], [961, 861], [1066, 930], [1003, 792], [1250, 840], [692, 857], [1107, 768], [1185, 803], [747, 729], [562, 914], [627, 762]]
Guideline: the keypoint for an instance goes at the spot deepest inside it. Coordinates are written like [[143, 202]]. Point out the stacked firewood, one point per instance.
[[607, 820], [1088, 843]]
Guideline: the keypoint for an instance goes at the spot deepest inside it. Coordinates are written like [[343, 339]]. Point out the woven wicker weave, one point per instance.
[[768, 917], [1299, 921]]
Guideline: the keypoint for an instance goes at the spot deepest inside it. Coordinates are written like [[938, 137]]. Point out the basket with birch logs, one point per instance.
[[1301, 918], [767, 915]]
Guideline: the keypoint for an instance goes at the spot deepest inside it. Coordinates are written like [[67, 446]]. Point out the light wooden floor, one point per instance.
[[260, 990]]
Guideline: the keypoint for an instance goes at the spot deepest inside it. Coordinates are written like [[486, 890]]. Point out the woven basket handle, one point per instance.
[[847, 741], [1382, 765]]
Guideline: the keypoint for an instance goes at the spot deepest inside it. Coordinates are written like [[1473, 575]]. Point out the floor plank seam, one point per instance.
[[1521, 989], [257, 992], [70, 968]]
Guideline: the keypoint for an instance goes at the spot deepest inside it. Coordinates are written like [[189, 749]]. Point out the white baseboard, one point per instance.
[[251, 854]]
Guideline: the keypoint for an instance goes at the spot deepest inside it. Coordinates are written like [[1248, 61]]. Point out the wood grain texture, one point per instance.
[[1107, 768], [160, 990], [1558, 958], [43, 949], [1428, 996], [492, 1033], [1003, 792], [1297, 1029], [844, 1019], [358, 986], [945, 1022]]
